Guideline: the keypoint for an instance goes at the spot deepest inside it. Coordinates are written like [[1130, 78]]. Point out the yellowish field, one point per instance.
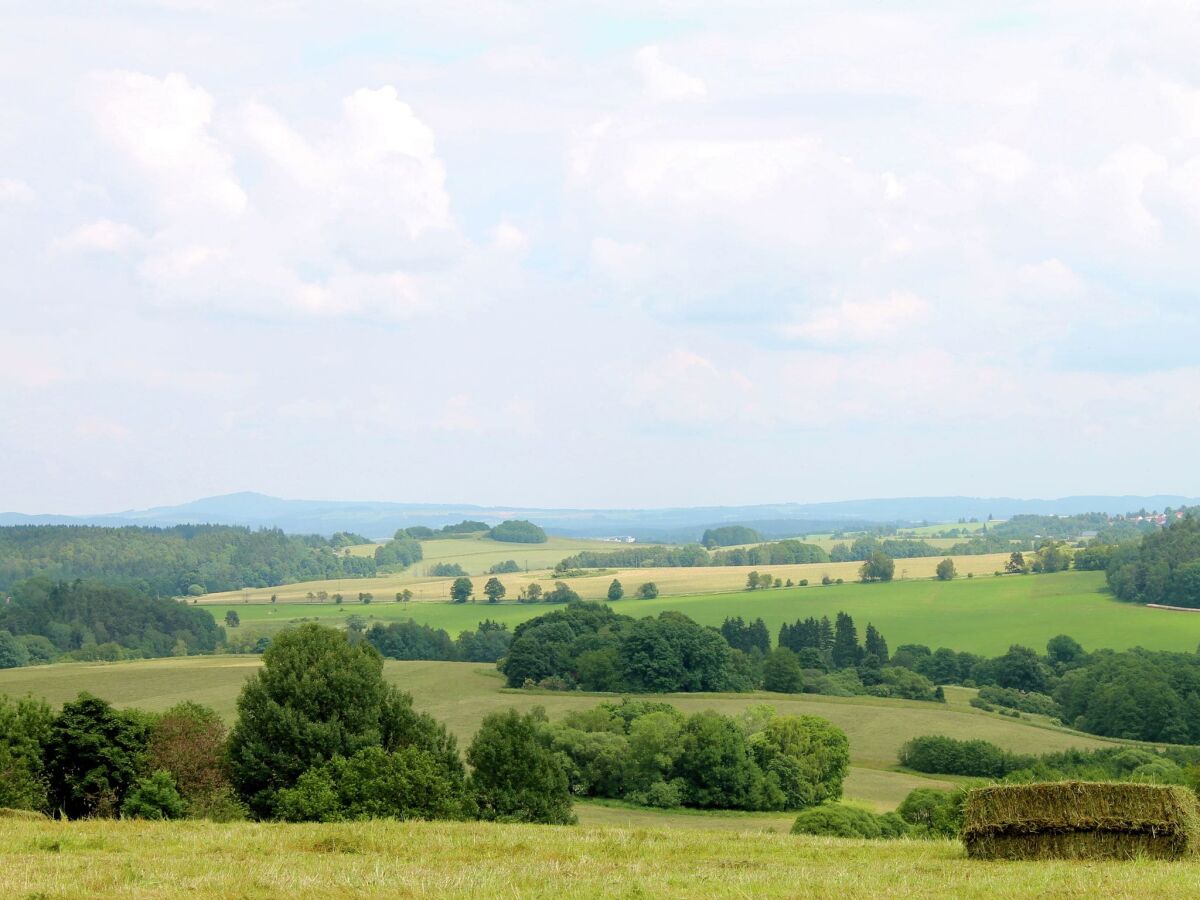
[[673, 581], [138, 859]]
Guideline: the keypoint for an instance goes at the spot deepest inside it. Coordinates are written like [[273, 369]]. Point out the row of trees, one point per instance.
[[186, 559], [411, 640], [462, 589]]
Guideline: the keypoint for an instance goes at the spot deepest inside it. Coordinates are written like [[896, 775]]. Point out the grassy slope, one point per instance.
[[460, 694], [143, 859], [982, 615]]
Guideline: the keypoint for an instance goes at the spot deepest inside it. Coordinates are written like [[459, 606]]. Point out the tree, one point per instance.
[[1016, 564], [716, 764], [752, 581], [1053, 556], [782, 672], [462, 589], [494, 590], [533, 593], [404, 596], [846, 651], [365, 597], [318, 696], [945, 570], [516, 778], [94, 755], [25, 728], [562, 593], [878, 567], [615, 591], [648, 591], [807, 756], [188, 742], [875, 645]]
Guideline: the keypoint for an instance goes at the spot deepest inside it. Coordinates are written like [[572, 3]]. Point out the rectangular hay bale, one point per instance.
[[1080, 820]]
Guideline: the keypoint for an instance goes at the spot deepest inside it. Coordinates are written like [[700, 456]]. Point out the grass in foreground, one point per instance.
[[142, 859]]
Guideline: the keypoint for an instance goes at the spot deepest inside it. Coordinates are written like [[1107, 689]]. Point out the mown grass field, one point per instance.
[[461, 694], [982, 615], [670, 581], [438, 859]]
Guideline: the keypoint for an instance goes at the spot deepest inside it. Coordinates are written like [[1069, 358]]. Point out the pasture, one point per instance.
[[461, 694], [448, 859], [982, 615]]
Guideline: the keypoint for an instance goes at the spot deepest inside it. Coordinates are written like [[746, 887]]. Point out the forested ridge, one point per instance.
[[172, 561]]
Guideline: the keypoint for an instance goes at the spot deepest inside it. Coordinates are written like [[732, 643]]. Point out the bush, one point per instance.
[[949, 756], [508, 567], [187, 742], [837, 820], [374, 784], [782, 672], [648, 591], [154, 797], [25, 727], [1025, 701]]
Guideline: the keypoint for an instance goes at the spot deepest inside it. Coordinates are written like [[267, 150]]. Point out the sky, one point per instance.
[[602, 255]]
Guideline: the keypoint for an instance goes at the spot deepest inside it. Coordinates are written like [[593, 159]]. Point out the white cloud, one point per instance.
[[861, 322], [663, 82], [103, 235], [510, 239], [687, 389], [163, 127], [15, 192]]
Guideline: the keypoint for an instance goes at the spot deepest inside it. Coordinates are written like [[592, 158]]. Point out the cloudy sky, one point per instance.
[[612, 254]]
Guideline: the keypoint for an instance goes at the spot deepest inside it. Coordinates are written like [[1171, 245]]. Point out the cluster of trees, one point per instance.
[[508, 567], [775, 553], [186, 559], [321, 736], [937, 754], [863, 548], [411, 640], [1136, 694], [590, 647], [400, 552], [45, 620], [518, 531], [729, 536], [1164, 568], [447, 570], [652, 754]]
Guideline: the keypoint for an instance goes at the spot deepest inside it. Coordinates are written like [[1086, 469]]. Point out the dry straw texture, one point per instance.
[[1081, 820]]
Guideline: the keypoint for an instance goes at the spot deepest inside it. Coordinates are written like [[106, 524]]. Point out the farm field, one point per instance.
[[982, 615], [670, 581], [461, 694], [478, 553], [444, 859]]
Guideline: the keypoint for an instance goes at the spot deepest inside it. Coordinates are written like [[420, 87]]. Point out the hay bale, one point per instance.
[[1080, 820]]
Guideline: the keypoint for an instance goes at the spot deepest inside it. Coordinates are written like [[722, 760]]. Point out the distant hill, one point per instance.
[[380, 519]]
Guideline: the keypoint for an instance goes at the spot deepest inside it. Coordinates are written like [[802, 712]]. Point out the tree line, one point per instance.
[[778, 553], [185, 559], [44, 621]]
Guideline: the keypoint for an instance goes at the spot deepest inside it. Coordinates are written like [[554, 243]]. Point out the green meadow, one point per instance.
[[981, 615]]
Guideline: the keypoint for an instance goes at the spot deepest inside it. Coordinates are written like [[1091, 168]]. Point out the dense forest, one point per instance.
[[518, 531], [729, 535], [1164, 568], [45, 620], [186, 559]]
